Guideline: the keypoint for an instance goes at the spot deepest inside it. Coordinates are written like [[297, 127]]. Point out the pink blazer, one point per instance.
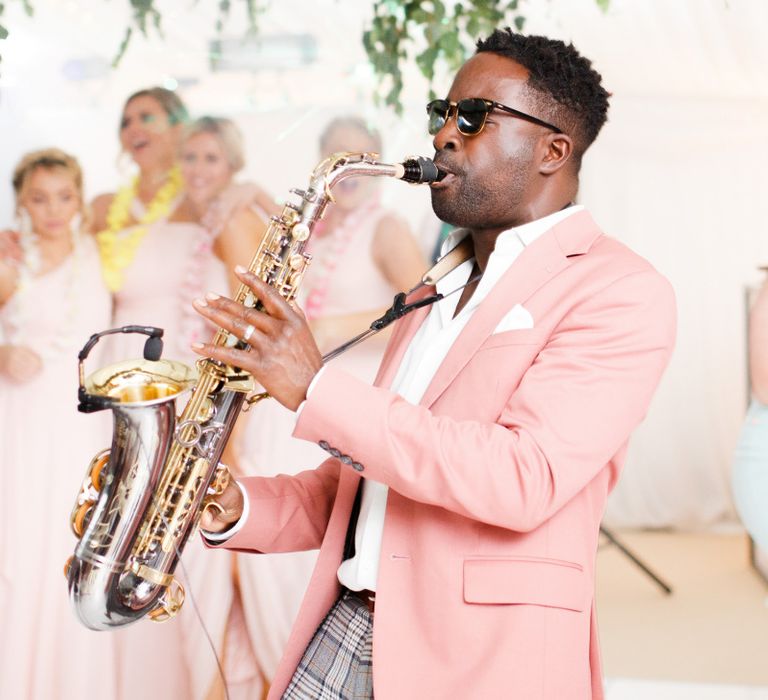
[[498, 479]]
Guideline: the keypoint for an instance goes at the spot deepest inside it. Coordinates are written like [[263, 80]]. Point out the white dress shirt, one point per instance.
[[425, 354]]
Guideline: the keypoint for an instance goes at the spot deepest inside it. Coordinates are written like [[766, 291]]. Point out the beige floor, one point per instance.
[[712, 629]]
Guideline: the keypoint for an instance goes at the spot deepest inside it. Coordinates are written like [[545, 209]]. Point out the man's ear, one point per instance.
[[558, 151]]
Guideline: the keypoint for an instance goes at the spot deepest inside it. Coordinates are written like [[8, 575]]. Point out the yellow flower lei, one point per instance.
[[117, 247]]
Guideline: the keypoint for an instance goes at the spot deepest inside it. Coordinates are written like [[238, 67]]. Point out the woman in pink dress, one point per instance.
[[50, 302], [161, 245], [363, 254]]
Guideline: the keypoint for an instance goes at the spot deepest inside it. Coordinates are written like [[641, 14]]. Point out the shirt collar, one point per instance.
[[509, 241]]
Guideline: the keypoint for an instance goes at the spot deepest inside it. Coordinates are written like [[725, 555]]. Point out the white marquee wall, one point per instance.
[[677, 172]]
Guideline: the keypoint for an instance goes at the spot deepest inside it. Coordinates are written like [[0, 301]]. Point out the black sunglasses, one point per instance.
[[471, 114]]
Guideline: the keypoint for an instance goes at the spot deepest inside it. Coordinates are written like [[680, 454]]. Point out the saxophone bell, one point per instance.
[[153, 349], [109, 585]]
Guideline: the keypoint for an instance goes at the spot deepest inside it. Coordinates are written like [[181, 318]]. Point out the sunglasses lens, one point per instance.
[[437, 111], [470, 115]]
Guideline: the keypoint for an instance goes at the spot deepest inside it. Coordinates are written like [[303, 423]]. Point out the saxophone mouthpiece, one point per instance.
[[420, 170]]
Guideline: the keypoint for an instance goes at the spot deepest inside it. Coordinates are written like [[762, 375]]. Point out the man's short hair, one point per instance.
[[565, 87]]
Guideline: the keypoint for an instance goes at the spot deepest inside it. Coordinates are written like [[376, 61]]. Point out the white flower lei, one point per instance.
[[22, 309]]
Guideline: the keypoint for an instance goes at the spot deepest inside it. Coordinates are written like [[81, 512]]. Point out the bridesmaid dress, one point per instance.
[[45, 449], [173, 265]]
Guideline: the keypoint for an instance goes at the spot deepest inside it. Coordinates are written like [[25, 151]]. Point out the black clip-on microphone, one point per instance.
[[153, 349]]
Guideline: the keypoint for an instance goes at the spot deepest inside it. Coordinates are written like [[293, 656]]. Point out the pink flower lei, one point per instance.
[[194, 281], [324, 265]]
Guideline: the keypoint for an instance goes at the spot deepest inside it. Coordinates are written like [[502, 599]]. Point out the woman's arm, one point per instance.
[[331, 331], [99, 210], [10, 248], [264, 201], [239, 241], [400, 261], [397, 254], [239, 198], [9, 278], [19, 363]]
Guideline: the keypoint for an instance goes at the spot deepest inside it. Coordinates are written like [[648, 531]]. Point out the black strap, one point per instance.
[[395, 312], [349, 540]]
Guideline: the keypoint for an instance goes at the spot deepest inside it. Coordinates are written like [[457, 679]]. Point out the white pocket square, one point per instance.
[[516, 318]]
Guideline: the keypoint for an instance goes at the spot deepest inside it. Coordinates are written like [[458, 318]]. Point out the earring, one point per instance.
[[25, 222], [76, 223], [124, 163], [28, 241], [75, 226]]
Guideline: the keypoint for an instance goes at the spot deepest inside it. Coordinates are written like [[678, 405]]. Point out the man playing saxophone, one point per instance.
[[457, 515]]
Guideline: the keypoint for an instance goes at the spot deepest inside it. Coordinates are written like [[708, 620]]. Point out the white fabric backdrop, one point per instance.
[[676, 174]]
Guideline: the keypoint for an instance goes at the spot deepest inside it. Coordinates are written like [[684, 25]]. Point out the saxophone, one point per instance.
[[142, 499]]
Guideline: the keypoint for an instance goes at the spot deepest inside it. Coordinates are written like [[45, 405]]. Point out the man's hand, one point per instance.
[[283, 355], [231, 502]]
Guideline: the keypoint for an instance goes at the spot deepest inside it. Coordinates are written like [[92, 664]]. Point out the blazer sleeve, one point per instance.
[[572, 411], [287, 513]]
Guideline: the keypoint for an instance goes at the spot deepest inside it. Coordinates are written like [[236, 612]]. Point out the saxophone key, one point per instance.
[[300, 232]]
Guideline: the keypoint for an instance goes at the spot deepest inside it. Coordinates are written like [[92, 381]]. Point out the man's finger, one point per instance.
[[274, 304], [244, 359], [207, 521], [249, 317], [235, 323]]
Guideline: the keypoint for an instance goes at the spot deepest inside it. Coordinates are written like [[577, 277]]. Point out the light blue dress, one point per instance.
[[750, 473]]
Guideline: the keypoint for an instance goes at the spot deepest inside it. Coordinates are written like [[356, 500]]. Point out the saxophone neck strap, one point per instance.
[[460, 253], [449, 262]]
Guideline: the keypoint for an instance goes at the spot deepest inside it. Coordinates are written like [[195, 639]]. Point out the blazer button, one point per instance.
[[334, 452], [357, 466], [324, 445]]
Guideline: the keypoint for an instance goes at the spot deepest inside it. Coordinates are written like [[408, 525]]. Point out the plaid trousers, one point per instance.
[[338, 662]]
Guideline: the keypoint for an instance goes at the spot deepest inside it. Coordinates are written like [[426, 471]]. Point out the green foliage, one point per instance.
[[448, 29], [427, 32], [252, 10], [27, 8], [26, 4], [144, 12]]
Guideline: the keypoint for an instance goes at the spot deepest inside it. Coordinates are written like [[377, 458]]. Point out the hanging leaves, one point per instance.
[[427, 32], [449, 30], [3, 29], [144, 11]]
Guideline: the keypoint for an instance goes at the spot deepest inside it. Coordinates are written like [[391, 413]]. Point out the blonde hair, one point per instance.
[[350, 122], [47, 159], [226, 131]]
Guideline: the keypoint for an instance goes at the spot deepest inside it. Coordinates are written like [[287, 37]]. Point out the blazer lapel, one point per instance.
[[536, 265]]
